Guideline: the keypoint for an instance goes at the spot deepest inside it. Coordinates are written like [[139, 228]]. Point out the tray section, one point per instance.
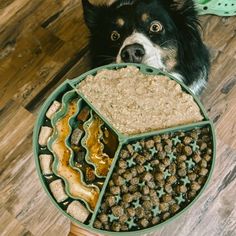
[[156, 178]]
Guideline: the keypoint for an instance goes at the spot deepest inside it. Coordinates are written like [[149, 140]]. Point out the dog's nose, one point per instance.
[[133, 53]]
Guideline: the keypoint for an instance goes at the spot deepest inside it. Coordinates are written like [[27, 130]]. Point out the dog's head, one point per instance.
[[160, 33]]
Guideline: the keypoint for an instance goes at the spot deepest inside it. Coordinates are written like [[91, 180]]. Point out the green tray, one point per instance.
[[216, 7], [62, 93]]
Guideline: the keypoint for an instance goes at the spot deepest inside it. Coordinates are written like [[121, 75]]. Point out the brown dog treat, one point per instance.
[[192, 176], [124, 189], [103, 218], [147, 176], [155, 220], [145, 190], [139, 212], [116, 226], [149, 144], [188, 151], [147, 205], [155, 162], [203, 171], [121, 171], [124, 154], [158, 176], [144, 223], [181, 158], [130, 149], [203, 146], [161, 167], [172, 168], [167, 148], [167, 198], [194, 135], [117, 211], [165, 136], [168, 187], [195, 186], [181, 189], [171, 179], [174, 208], [166, 216], [111, 183], [166, 162], [180, 147], [127, 197], [133, 171], [140, 159], [203, 163], [157, 139], [187, 140], [191, 194], [122, 164], [58, 190], [115, 190], [83, 115], [131, 211], [207, 157], [133, 188], [196, 157], [137, 195], [140, 169], [119, 181], [78, 211], [111, 201], [201, 180], [164, 207], [151, 184], [97, 224], [127, 175], [123, 218], [182, 172], [134, 181], [124, 227], [159, 147], [182, 165]]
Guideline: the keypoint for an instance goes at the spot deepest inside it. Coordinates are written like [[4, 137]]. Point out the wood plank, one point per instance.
[[21, 192]]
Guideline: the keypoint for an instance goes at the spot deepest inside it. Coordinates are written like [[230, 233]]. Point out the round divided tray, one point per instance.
[[113, 183]]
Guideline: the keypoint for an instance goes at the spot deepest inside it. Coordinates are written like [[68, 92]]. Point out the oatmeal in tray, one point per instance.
[[135, 103]]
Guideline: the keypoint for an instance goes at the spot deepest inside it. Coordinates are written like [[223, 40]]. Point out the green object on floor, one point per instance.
[[216, 7]]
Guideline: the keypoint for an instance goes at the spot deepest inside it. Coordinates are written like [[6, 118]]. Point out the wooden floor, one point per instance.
[[42, 43]]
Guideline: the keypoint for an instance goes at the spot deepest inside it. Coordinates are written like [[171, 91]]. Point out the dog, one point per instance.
[[160, 33]]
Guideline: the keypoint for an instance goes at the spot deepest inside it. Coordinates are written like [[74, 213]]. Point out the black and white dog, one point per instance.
[[160, 33]]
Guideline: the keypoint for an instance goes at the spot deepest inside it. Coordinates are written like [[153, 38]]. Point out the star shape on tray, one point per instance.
[[131, 223], [185, 180], [112, 217], [153, 151], [180, 198], [161, 192], [194, 146], [136, 203], [156, 211], [171, 156], [142, 184], [117, 198], [137, 147], [176, 140], [131, 162], [190, 163], [166, 174], [148, 167]]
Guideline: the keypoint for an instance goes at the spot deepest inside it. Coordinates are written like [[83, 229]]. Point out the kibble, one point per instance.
[[148, 190]]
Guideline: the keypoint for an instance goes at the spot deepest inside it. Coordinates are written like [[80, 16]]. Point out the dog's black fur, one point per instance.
[[181, 32]]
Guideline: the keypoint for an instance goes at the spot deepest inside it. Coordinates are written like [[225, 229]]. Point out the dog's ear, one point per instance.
[[177, 5], [91, 13]]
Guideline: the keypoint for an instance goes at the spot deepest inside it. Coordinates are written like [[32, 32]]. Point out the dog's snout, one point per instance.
[[133, 53]]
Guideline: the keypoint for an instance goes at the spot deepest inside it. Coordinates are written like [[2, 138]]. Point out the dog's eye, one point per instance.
[[156, 27], [115, 35]]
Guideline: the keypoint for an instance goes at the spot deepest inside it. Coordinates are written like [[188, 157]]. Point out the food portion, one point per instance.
[[154, 179], [73, 177], [134, 103], [95, 147]]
